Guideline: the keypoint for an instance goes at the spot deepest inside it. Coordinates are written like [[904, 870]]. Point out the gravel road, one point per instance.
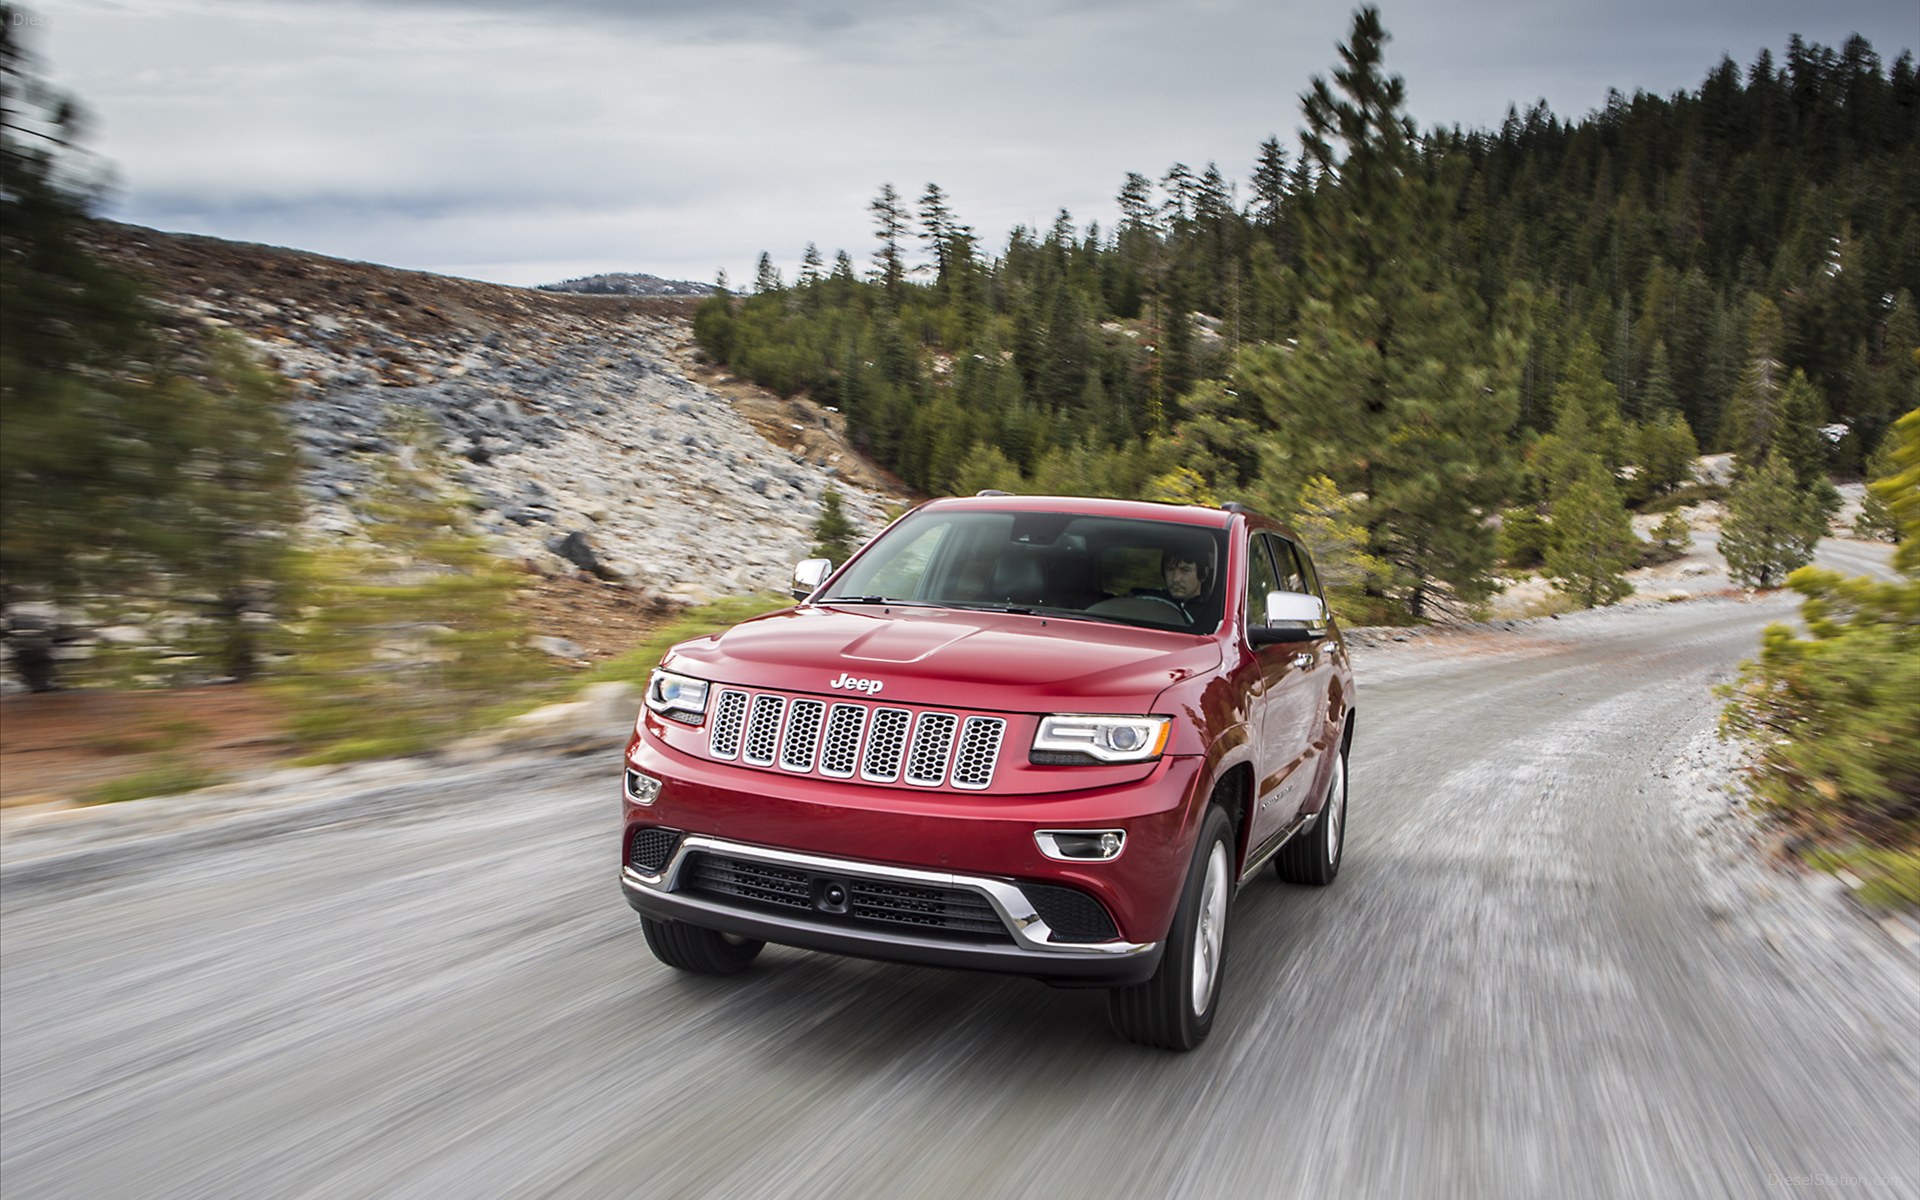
[[1538, 975]]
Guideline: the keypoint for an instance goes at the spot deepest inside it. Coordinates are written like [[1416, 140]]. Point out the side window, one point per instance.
[[1312, 576], [1260, 581], [1292, 579]]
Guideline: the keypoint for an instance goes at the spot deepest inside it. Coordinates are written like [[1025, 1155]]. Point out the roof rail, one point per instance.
[[1234, 506], [994, 492]]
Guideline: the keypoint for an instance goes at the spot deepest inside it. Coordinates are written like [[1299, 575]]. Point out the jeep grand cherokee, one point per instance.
[[1044, 736]]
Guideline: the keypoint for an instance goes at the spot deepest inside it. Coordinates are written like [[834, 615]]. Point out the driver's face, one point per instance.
[[1183, 580]]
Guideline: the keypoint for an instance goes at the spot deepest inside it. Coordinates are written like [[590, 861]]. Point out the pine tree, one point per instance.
[[1801, 442], [79, 415], [1392, 389], [1586, 421], [1753, 413], [1329, 523], [1657, 397], [1665, 451], [1270, 188], [936, 222], [1876, 519], [837, 535], [227, 525], [1899, 490], [890, 222], [127, 464], [766, 277], [1592, 542], [1771, 526]]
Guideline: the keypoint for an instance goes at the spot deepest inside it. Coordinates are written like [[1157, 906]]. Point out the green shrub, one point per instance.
[[1835, 716], [636, 664], [1524, 535], [413, 642], [1671, 540], [169, 777], [1888, 878]]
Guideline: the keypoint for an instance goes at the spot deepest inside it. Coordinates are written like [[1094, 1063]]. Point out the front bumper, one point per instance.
[[1030, 947]]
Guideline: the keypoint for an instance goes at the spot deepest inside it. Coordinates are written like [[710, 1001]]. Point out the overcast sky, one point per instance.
[[526, 143]]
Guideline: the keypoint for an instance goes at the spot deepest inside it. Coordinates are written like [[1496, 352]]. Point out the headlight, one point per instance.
[[1069, 738], [677, 696]]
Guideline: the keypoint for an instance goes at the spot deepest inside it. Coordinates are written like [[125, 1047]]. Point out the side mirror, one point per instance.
[[1291, 617], [809, 575]]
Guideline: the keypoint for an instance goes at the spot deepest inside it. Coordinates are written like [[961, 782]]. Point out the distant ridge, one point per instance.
[[626, 283]]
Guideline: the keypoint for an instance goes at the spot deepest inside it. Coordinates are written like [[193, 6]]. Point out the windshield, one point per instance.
[[1150, 573]]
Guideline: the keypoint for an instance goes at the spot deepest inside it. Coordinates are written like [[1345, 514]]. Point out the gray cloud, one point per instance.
[[681, 136]]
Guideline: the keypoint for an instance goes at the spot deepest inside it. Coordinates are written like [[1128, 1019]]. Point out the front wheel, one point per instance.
[[701, 951], [1314, 857], [1174, 1009]]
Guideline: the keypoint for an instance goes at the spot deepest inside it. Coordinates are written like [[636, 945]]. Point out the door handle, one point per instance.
[[1305, 660]]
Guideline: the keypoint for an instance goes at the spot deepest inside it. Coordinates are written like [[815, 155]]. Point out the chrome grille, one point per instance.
[[847, 740]]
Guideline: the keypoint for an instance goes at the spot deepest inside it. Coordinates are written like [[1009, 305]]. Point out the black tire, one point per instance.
[[1164, 1010], [702, 951], [1313, 858]]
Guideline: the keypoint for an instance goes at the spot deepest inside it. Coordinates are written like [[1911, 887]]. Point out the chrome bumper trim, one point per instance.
[[1029, 931]]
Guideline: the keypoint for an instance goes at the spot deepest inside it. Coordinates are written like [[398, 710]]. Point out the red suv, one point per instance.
[[1040, 735]]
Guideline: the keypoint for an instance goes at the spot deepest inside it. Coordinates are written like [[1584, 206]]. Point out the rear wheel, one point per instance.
[[702, 951], [1314, 857], [1174, 1009]]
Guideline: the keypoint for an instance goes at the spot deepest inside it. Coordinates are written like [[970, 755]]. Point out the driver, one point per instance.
[[1188, 570]]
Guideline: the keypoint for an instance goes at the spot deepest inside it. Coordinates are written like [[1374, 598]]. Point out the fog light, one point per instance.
[[642, 789], [1081, 845]]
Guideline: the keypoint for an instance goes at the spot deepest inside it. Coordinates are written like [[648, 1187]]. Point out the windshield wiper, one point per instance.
[[1021, 609], [871, 600]]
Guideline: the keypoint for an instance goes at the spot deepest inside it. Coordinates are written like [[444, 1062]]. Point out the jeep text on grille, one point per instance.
[[1045, 736]]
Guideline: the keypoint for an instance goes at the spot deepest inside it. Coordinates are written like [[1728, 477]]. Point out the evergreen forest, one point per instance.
[[1427, 344]]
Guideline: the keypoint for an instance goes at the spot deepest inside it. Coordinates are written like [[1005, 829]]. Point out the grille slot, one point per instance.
[[803, 735], [745, 880], [932, 745], [979, 752], [651, 847], [845, 739], [729, 720], [951, 909], [939, 911], [763, 729], [886, 745], [841, 749]]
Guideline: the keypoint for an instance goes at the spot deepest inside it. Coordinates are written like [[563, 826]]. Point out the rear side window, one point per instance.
[[1260, 580], [1292, 577], [1312, 577]]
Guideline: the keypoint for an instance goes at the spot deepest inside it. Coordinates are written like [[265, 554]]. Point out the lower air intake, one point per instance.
[[650, 849], [1073, 916]]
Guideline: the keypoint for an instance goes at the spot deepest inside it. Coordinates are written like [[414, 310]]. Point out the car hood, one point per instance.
[[1005, 662]]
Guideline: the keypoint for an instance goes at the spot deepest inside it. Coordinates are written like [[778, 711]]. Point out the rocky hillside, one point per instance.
[[628, 283], [589, 435]]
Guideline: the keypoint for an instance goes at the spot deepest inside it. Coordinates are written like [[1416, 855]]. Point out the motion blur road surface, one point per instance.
[[1526, 983]]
